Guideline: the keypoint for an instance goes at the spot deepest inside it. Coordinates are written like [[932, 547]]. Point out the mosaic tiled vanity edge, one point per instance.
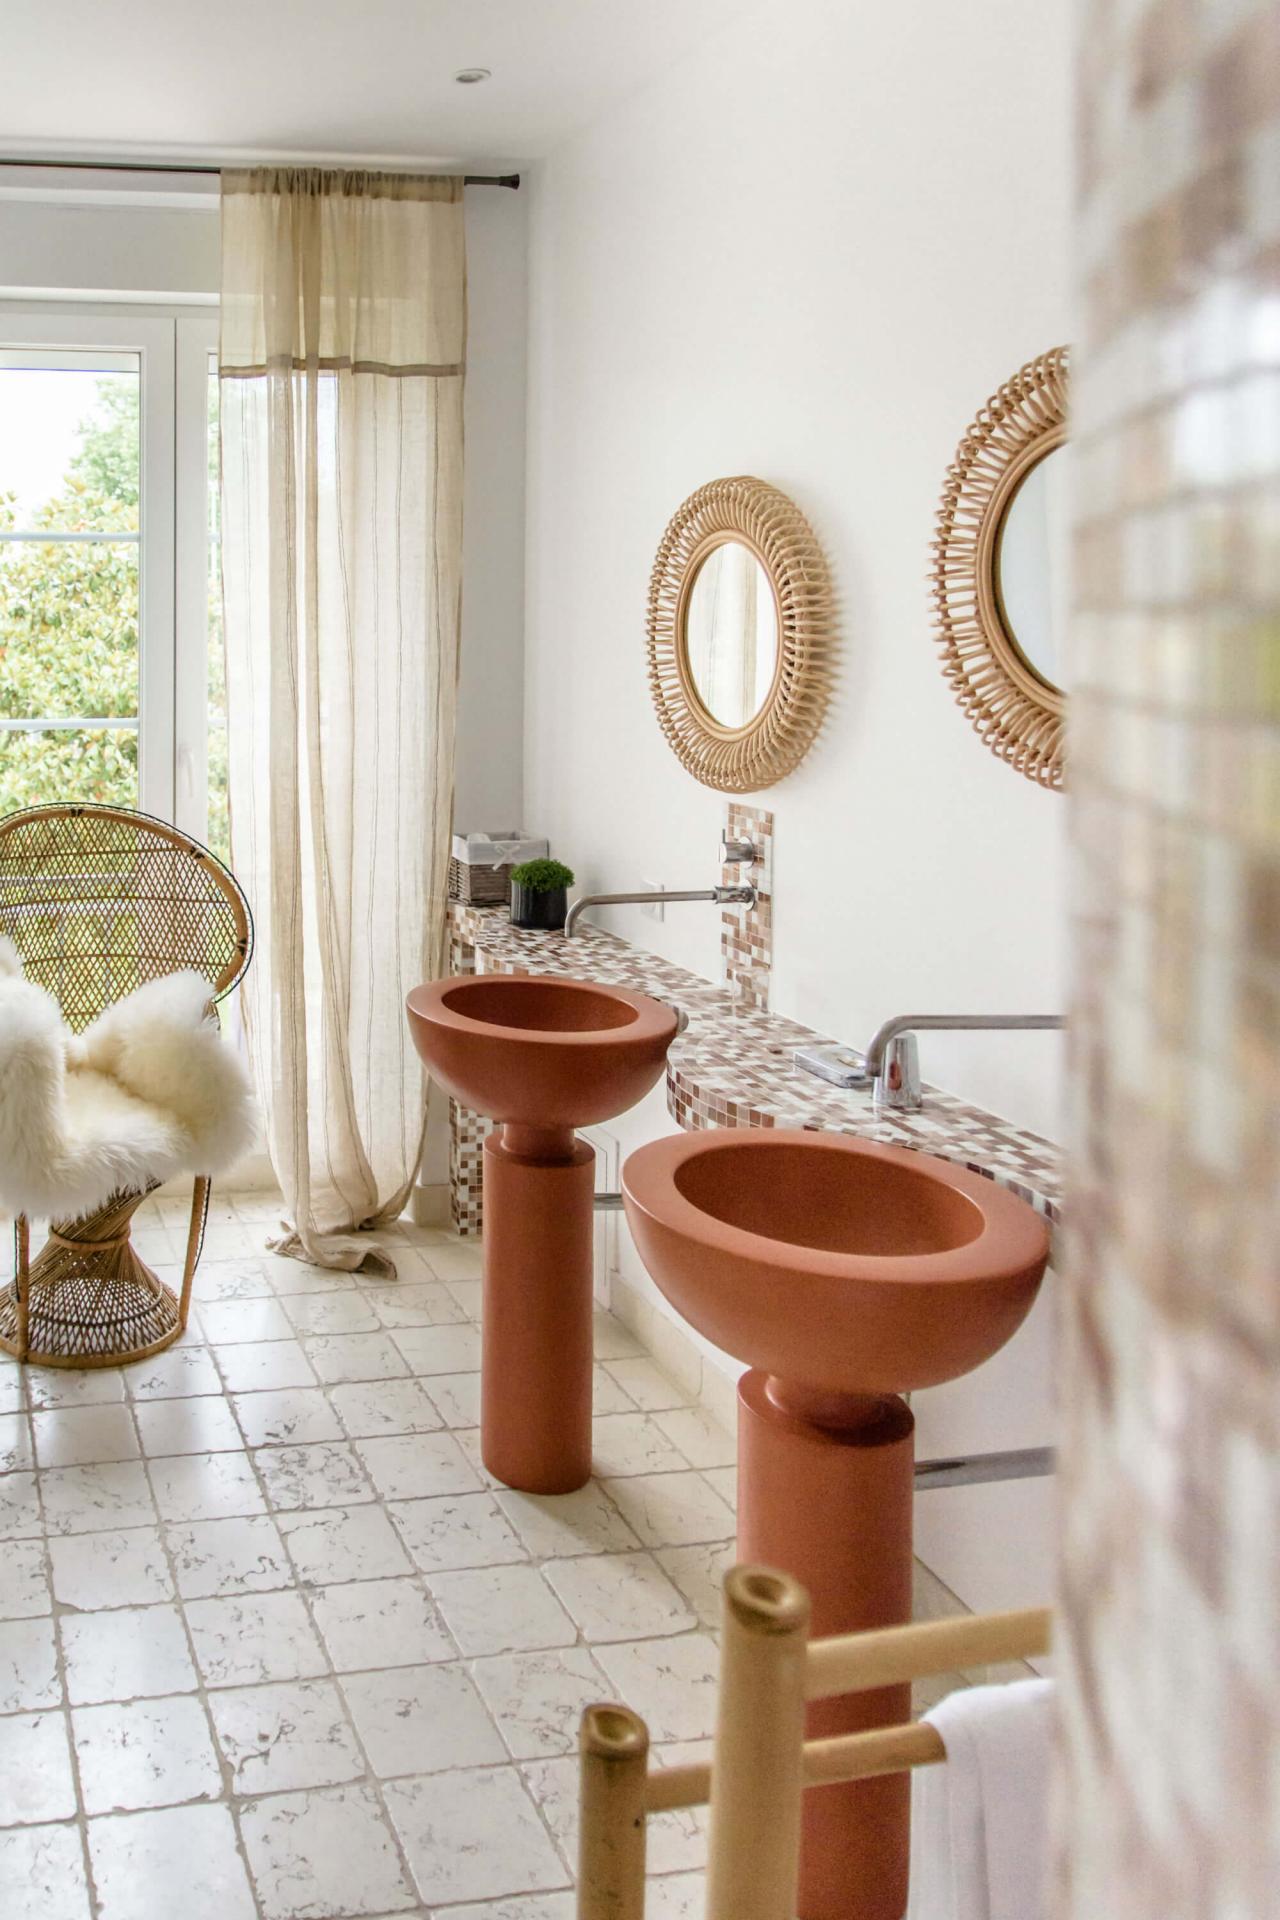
[[732, 1067]]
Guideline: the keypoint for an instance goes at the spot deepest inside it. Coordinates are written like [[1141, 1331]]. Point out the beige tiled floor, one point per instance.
[[274, 1646]]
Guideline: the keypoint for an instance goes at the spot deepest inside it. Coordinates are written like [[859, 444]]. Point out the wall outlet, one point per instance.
[[653, 909]]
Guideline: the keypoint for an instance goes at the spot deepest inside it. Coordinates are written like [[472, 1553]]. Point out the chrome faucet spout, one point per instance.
[[892, 1061], [720, 896]]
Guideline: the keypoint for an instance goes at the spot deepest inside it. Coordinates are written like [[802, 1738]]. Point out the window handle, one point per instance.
[[186, 774]]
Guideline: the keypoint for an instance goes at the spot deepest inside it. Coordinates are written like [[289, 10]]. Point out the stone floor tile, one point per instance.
[[284, 1736], [355, 1356], [325, 1313], [473, 1835], [537, 1699], [19, 1507], [416, 1465], [110, 1569], [414, 1304], [380, 1623], [174, 1374], [130, 1653], [607, 1394], [80, 1436], [418, 1720], [432, 1350], [672, 1509], [323, 1855], [36, 1781], [522, 1906], [450, 1533], [287, 1416], [28, 1667], [145, 1753], [343, 1543], [201, 1423], [229, 1322], [370, 1408], [96, 1499], [17, 1455], [625, 1443], [24, 1590], [612, 1341], [648, 1386], [42, 1873], [699, 1573], [670, 1683], [457, 1395], [620, 1596], [324, 1474], [243, 1555], [179, 1861], [248, 1639], [556, 1526], [206, 1486], [261, 1366], [500, 1610], [69, 1387], [699, 1437]]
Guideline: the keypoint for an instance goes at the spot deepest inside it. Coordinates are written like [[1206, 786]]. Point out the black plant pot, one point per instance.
[[541, 910]]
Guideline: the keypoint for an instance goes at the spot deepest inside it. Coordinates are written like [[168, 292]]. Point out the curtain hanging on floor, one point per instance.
[[341, 375]]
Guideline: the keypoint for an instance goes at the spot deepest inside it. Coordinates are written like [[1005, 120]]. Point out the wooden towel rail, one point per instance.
[[762, 1763]]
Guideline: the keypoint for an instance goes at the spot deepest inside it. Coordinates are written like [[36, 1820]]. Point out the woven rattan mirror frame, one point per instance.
[[1020, 716], [775, 740]]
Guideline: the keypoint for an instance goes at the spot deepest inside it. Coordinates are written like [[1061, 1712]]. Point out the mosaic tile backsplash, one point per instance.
[[1170, 1458]]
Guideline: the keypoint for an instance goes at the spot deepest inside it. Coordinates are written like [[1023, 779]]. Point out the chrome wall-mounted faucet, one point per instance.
[[893, 1060], [721, 896]]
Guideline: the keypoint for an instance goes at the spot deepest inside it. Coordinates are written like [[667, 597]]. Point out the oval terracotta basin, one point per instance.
[[541, 1052], [831, 1262]]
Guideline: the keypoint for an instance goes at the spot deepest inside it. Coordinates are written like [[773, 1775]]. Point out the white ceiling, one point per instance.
[[327, 78]]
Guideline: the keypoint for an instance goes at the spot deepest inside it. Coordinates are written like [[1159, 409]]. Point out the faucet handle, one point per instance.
[[737, 853], [898, 1082]]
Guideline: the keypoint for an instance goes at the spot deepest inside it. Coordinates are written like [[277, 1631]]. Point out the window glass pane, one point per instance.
[[69, 441], [68, 630], [69, 606], [69, 764], [219, 830]]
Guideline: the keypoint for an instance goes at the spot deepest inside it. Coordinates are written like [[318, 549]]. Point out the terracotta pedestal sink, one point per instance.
[[543, 1057], [846, 1274]]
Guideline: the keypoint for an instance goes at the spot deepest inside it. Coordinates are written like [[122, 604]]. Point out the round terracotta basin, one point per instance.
[[541, 1052], [834, 1263]]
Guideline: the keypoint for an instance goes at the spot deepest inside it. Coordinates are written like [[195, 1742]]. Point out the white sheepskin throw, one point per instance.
[[148, 1091]]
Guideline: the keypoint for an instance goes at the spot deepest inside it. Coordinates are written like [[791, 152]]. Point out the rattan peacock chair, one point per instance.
[[99, 900]]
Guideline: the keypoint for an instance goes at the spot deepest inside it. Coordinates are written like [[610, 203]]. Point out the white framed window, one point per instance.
[[109, 684]]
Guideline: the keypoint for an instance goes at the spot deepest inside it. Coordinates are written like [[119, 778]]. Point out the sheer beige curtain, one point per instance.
[[341, 374]]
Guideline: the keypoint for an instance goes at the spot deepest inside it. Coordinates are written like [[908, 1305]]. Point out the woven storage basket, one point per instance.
[[481, 863], [479, 886]]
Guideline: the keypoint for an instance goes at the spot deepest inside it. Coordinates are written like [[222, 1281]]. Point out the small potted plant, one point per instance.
[[540, 894]]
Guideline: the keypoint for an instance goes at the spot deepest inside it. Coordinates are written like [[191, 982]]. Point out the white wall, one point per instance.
[[809, 253]]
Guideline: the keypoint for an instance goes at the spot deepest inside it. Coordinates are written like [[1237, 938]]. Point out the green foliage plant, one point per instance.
[[542, 876]]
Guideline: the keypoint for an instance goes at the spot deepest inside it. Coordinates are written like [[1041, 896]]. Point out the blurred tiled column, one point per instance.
[[467, 1130], [1170, 1575]]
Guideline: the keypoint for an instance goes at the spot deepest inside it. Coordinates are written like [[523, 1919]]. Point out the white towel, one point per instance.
[[979, 1821]]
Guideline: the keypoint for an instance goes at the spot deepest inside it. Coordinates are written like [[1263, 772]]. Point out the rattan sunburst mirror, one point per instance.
[[740, 634], [998, 570]]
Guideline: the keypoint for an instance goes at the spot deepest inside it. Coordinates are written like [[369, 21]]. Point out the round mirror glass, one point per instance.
[[1032, 569], [731, 634]]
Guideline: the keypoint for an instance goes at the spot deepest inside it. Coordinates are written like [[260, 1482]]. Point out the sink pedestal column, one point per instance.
[[535, 1366], [825, 1484]]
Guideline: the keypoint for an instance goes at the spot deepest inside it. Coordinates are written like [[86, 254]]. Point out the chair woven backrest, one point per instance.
[[98, 900]]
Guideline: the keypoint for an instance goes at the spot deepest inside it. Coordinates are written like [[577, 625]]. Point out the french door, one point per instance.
[[110, 636]]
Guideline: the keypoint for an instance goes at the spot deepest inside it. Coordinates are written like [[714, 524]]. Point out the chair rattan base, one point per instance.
[[91, 1302]]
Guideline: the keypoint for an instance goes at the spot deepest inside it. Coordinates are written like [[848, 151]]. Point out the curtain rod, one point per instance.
[[150, 166]]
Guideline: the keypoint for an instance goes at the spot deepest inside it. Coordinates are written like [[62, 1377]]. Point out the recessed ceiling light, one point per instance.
[[472, 76]]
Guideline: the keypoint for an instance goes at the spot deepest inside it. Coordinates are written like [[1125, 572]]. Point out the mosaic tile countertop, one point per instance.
[[733, 1067]]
